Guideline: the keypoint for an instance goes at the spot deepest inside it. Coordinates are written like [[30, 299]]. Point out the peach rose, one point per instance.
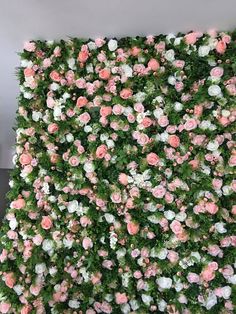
[[152, 159], [123, 178], [53, 128], [221, 47], [18, 204], [153, 64], [55, 76], [176, 227], [121, 298], [105, 111], [126, 93], [132, 227], [25, 159], [104, 74], [10, 280], [211, 208], [46, 222], [81, 102], [174, 141], [29, 72], [83, 56], [73, 161], [101, 151], [84, 117]]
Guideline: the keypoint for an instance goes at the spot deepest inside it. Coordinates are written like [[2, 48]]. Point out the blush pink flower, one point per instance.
[[132, 227], [190, 124], [116, 197], [121, 298], [221, 47], [73, 161], [153, 64], [53, 128], [81, 102], [55, 76], [25, 159], [217, 72], [104, 74], [174, 140], [4, 307], [123, 178], [211, 208], [159, 191], [18, 204], [87, 243], [126, 93], [46, 222], [101, 151], [84, 118], [152, 159]]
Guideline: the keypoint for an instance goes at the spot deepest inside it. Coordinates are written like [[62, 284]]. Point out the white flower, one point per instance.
[[232, 279], [169, 37], [171, 80], [40, 268], [127, 70], [161, 254], [47, 245], [18, 289], [226, 189], [125, 308], [181, 216], [225, 113], [54, 86], [109, 218], [214, 90], [158, 113], [162, 305], [112, 44], [139, 97], [212, 146], [92, 45], [164, 282], [134, 304], [72, 206], [71, 63], [210, 301], [220, 227], [121, 253], [28, 95], [69, 137], [74, 304], [147, 299], [89, 166], [203, 51], [13, 224], [169, 214], [110, 143], [178, 106], [177, 41], [226, 292], [170, 55], [89, 68]]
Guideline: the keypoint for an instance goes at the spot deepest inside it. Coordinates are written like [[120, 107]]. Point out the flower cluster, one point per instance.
[[122, 195]]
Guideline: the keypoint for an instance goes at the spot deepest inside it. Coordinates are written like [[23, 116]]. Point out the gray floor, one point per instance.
[[4, 187]]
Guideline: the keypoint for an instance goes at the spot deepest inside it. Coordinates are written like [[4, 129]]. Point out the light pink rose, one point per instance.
[[152, 159], [174, 140], [153, 64], [84, 118], [207, 274], [55, 76], [121, 298], [232, 160], [85, 221], [211, 208], [73, 161], [123, 178], [105, 111], [191, 38], [221, 47], [29, 46], [217, 183], [118, 109], [101, 151], [176, 227], [29, 72], [81, 102], [139, 107], [25, 159], [18, 204], [190, 124], [163, 121], [104, 74], [193, 278], [46, 222], [217, 72], [4, 307], [83, 56], [10, 280], [116, 197], [132, 227], [87, 243], [53, 128], [159, 191], [126, 93], [173, 256]]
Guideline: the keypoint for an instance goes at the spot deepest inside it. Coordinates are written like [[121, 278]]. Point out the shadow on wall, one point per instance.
[[4, 188]]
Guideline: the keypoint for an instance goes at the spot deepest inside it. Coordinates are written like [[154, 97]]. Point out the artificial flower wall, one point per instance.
[[122, 194]]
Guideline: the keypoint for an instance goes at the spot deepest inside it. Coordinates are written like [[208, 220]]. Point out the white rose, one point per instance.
[[87, 128], [225, 113], [178, 106], [171, 80], [226, 292], [120, 253], [203, 51], [161, 254], [205, 124], [88, 166], [214, 90], [18, 289], [92, 45], [181, 216], [109, 218], [125, 308], [28, 95], [220, 227], [169, 37], [169, 214], [164, 282], [89, 68], [71, 63], [69, 137], [147, 299], [52, 271], [54, 86], [212, 146], [177, 41], [134, 304], [112, 44], [158, 113], [74, 304], [110, 143], [40, 268], [13, 223], [47, 245], [127, 70], [210, 301], [170, 55], [232, 279], [72, 206], [162, 305]]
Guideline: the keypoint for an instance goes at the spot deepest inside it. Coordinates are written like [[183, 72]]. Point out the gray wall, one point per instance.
[[4, 188]]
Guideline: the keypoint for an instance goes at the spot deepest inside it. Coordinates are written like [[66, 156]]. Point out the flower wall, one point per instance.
[[122, 194]]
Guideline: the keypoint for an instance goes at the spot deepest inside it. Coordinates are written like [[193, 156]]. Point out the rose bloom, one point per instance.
[[126, 93], [174, 140], [87, 243], [55, 76], [101, 151], [221, 47], [116, 197], [158, 191], [29, 72], [211, 208], [73, 161], [121, 298], [84, 117], [105, 111], [29, 46], [83, 56], [232, 161], [176, 227], [152, 159], [190, 124], [25, 159], [53, 128], [153, 64], [123, 178], [163, 121], [4, 307], [10, 280], [81, 102], [104, 74], [132, 227], [217, 72], [46, 222], [18, 204]]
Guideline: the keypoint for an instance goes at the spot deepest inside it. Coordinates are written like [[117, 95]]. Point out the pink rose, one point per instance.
[[4, 307], [99, 43], [139, 107], [176, 227], [26, 309], [163, 121], [121, 298], [81, 102], [29, 46], [18, 204], [152, 159], [126, 93], [132, 227], [84, 117], [118, 109], [174, 140], [173, 256], [116, 197], [55, 76], [179, 64], [198, 109], [123, 178], [87, 243], [221, 47], [105, 111], [10, 280], [104, 74], [207, 274], [53, 128], [159, 191], [191, 38], [211, 208], [46, 222], [83, 56], [193, 278], [153, 64], [217, 72], [232, 160], [85, 221], [217, 183], [190, 124], [73, 161], [25, 159], [101, 151], [29, 72]]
